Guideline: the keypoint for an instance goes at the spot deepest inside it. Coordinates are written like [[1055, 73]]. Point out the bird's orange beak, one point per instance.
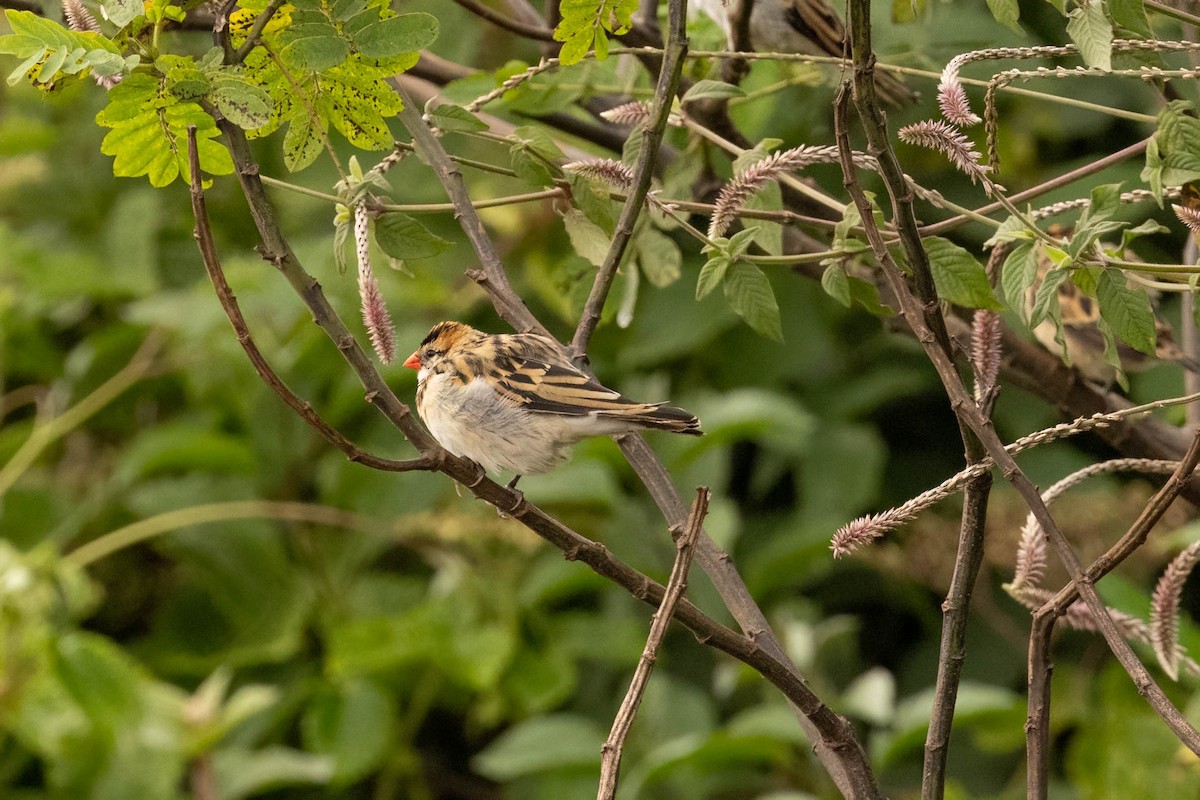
[[413, 362]]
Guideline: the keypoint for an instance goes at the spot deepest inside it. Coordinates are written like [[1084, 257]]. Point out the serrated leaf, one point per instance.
[[1126, 311], [836, 284], [122, 12], [709, 90], [1017, 274], [1090, 30], [405, 33], [1045, 300], [659, 257], [711, 275], [958, 276], [752, 298], [1105, 201], [406, 239], [1006, 12], [450, 117], [1013, 229], [1173, 155]]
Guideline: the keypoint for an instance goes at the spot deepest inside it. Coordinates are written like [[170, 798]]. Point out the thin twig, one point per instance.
[[669, 74], [919, 315], [832, 735], [537, 32], [228, 301], [610, 759], [1037, 725], [1091, 168], [953, 646]]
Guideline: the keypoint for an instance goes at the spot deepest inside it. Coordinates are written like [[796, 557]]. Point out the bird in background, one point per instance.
[[515, 401], [809, 27], [1084, 343]]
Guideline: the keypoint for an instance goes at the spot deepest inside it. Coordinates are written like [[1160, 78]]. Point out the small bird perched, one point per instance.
[[808, 27], [516, 402]]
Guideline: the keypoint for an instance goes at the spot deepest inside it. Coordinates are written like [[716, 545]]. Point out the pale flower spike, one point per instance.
[[946, 139], [1164, 610], [1188, 216], [374, 311], [952, 99]]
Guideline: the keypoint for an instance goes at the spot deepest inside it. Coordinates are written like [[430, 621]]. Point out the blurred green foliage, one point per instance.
[[387, 638]]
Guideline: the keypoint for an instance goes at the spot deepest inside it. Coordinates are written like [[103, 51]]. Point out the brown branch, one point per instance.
[[920, 314], [610, 760], [1037, 725], [225, 295], [537, 32], [669, 74], [953, 647], [831, 734], [834, 740], [1042, 188]]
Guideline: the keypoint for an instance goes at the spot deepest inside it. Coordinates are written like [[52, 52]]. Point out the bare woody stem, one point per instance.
[[922, 314], [1037, 723], [610, 759], [669, 74], [831, 733], [225, 295], [834, 740]]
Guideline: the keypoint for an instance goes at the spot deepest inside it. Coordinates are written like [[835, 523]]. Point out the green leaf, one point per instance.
[[659, 257], [1006, 12], [836, 284], [1017, 274], [1105, 201], [405, 33], [314, 46], [302, 142], [588, 239], [541, 744], [751, 296], [450, 117], [149, 132], [587, 23], [405, 239], [1126, 311], [354, 724], [709, 89], [1045, 300], [1173, 156], [906, 11], [1090, 30], [250, 773], [243, 103], [122, 12], [712, 274], [959, 278], [1013, 229], [1130, 15]]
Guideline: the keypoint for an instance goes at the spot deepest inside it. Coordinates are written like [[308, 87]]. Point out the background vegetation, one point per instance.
[[292, 624]]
